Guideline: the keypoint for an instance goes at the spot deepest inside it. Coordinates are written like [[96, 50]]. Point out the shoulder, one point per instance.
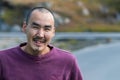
[[64, 54], [7, 51], [65, 58]]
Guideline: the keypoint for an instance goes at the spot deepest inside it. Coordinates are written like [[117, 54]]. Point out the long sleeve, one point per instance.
[[75, 72], [1, 77], [1, 70]]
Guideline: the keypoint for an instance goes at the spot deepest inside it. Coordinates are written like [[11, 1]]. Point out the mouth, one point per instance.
[[39, 41]]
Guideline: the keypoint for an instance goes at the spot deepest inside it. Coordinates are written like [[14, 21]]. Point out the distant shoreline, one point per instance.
[[14, 39]]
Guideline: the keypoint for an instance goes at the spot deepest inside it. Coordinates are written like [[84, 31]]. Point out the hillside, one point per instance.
[[76, 15]]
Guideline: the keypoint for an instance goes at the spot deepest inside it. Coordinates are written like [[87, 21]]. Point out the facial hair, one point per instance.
[[40, 39]]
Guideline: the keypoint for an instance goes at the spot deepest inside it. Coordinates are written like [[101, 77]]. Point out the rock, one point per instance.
[[44, 4], [60, 20], [85, 10]]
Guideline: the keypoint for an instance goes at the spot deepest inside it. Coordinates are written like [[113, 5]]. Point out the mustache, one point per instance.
[[41, 39]]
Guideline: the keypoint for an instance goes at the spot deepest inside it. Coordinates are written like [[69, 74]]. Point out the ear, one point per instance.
[[24, 26], [54, 31]]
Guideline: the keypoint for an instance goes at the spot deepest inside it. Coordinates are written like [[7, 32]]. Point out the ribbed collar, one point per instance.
[[36, 58]]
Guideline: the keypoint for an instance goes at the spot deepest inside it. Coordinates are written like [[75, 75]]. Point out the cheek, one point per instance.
[[30, 33], [49, 36]]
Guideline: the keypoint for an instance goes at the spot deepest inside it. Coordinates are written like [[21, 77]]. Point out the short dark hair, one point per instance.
[[41, 9]]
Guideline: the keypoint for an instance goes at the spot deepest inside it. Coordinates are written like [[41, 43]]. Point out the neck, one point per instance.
[[35, 52]]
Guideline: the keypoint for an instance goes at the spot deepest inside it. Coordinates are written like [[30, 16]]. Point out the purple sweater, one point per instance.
[[58, 64]]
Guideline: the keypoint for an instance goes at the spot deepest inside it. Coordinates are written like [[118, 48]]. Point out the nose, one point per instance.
[[40, 33]]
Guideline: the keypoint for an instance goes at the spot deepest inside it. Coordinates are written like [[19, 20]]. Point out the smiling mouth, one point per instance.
[[38, 40]]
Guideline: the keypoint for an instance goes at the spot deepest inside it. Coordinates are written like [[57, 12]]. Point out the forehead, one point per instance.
[[42, 14], [41, 17]]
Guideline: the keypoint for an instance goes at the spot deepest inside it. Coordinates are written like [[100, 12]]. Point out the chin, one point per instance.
[[39, 48]]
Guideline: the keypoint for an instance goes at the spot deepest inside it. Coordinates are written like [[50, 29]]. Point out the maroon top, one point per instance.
[[58, 64]]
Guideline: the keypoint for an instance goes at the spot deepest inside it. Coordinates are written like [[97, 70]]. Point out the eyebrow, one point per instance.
[[46, 26], [36, 24]]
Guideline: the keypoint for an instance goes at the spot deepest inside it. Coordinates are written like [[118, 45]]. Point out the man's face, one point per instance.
[[39, 30]]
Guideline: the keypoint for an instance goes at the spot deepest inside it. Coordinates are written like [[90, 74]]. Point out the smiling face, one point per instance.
[[39, 30]]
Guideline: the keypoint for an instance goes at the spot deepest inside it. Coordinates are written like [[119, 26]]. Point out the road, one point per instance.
[[100, 62]]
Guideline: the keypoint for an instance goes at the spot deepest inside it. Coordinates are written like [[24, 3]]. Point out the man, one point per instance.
[[36, 59]]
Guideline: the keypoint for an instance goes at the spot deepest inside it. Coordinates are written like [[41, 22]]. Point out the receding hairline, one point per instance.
[[44, 11], [40, 9]]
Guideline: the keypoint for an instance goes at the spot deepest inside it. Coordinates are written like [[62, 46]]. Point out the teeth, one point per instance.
[[38, 39]]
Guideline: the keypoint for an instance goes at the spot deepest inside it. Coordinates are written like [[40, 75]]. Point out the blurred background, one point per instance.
[[76, 16], [80, 25]]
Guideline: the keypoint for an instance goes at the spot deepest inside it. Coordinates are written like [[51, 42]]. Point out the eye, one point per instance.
[[47, 28], [35, 27]]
